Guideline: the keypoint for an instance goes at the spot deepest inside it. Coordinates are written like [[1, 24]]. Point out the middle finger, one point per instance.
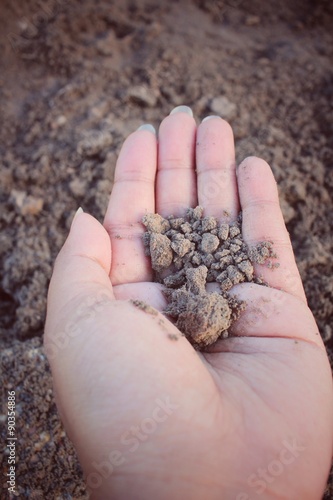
[[216, 169]]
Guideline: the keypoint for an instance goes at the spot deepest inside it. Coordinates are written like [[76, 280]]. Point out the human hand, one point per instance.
[[150, 417]]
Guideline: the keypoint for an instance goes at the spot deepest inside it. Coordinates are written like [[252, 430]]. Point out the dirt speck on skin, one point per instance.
[[261, 252], [173, 336], [140, 304], [189, 252]]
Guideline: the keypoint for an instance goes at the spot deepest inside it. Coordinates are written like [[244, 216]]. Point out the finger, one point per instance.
[[81, 270], [216, 177], [176, 182], [263, 221], [132, 196]]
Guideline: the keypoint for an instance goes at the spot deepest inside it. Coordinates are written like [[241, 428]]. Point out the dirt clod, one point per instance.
[[209, 243], [189, 252], [202, 318], [261, 252], [160, 251]]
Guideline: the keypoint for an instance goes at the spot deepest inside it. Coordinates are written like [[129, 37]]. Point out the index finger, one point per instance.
[[132, 196]]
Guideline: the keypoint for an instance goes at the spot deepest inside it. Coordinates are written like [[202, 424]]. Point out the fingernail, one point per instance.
[[209, 117], [149, 127], [182, 109], [78, 212]]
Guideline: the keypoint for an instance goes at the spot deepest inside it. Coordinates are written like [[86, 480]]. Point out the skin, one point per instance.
[[148, 415]]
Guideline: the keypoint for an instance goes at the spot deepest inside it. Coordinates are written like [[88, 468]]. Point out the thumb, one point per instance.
[[80, 275]]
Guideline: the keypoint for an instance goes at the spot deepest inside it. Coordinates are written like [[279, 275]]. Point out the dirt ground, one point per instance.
[[75, 78]]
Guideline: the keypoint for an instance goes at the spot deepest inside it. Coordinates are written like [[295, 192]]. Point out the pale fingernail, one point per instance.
[[209, 117], [182, 109], [149, 127], [78, 212]]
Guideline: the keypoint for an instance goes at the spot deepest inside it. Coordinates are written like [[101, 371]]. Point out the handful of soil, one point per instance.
[[189, 252]]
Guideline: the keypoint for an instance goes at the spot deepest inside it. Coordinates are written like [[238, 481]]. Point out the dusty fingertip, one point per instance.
[[245, 163]]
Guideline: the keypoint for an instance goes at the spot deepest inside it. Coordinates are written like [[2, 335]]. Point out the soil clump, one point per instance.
[[189, 252]]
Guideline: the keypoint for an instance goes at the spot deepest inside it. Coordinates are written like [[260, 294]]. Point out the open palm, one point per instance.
[[150, 417]]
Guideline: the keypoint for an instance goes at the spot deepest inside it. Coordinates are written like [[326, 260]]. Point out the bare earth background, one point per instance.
[[75, 78]]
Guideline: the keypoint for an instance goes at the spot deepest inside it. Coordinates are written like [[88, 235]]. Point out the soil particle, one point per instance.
[[27, 205], [142, 96], [223, 231], [181, 247], [155, 223], [209, 243], [246, 267], [173, 336], [202, 318], [235, 275], [189, 252], [160, 251], [94, 143], [222, 106], [261, 252], [144, 307], [208, 223], [196, 279]]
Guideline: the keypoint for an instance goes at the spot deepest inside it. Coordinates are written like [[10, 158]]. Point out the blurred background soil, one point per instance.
[[75, 78]]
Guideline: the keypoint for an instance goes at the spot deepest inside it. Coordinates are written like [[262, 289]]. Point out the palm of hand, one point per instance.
[[237, 422]]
